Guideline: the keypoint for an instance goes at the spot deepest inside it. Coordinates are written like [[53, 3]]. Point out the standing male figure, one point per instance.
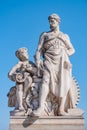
[[55, 47]]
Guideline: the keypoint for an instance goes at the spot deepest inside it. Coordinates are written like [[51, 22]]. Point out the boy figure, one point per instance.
[[22, 74]]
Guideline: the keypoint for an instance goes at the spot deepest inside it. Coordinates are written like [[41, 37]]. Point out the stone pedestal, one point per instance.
[[47, 123]]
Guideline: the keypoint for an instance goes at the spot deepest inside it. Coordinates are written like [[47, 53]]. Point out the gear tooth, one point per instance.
[[78, 91], [77, 102], [78, 99], [75, 80], [77, 83], [78, 87]]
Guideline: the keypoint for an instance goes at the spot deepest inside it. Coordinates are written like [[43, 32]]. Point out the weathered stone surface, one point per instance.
[[75, 112], [45, 95], [47, 123], [47, 85]]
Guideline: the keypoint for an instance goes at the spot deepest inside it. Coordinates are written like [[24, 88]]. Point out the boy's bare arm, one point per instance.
[[13, 70]]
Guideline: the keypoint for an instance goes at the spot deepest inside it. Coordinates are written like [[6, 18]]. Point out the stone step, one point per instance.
[[47, 123]]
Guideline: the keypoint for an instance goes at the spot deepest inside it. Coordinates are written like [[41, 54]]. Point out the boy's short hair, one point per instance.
[[19, 51]]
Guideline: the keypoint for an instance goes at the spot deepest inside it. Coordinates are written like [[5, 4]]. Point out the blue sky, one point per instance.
[[22, 22]]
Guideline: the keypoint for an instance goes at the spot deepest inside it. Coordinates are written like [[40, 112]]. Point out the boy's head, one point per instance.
[[22, 54]]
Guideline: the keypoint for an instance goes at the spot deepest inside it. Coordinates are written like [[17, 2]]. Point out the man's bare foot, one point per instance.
[[62, 113], [38, 112]]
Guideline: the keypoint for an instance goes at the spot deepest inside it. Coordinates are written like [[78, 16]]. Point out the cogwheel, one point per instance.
[[75, 91]]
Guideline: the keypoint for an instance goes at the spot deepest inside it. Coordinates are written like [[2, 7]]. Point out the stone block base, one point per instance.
[[47, 123]]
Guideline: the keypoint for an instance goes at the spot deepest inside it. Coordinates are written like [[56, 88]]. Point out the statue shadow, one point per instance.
[[29, 120]]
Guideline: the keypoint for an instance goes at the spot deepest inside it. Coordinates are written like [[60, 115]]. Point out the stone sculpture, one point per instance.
[[55, 47], [22, 74], [47, 86]]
